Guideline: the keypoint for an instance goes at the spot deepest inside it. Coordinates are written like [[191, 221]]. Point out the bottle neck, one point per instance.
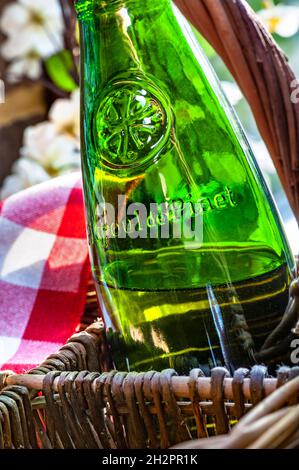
[[122, 36], [87, 8]]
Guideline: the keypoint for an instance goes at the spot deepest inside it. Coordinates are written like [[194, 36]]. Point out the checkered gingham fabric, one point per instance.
[[44, 271]]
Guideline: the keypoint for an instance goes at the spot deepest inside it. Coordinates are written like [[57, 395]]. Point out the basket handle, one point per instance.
[[262, 71]]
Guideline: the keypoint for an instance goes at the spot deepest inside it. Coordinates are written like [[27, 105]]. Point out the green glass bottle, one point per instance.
[[189, 256]]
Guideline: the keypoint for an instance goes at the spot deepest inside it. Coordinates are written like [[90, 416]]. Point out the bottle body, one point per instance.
[[191, 263]]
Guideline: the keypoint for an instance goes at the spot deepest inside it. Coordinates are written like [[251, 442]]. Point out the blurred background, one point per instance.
[[39, 97]]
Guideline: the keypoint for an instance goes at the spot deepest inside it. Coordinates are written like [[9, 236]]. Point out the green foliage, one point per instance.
[[256, 4], [260, 4], [59, 68]]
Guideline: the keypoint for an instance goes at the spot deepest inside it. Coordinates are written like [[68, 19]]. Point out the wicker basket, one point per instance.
[[68, 403], [74, 400]]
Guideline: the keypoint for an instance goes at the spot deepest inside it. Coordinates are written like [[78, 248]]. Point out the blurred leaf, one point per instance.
[[58, 69], [256, 5]]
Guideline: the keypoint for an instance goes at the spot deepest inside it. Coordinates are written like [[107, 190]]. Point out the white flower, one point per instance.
[[50, 148], [28, 66], [65, 114], [55, 144], [63, 155], [232, 92], [281, 19], [26, 173], [55, 152], [36, 141], [32, 26]]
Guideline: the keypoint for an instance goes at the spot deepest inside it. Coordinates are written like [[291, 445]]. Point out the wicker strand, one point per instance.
[[265, 427], [180, 386]]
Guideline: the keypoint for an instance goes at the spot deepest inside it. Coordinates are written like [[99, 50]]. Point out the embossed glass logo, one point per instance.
[[132, 123]]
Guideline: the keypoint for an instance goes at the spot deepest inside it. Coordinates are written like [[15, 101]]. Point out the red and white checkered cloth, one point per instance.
[[44, 271]]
